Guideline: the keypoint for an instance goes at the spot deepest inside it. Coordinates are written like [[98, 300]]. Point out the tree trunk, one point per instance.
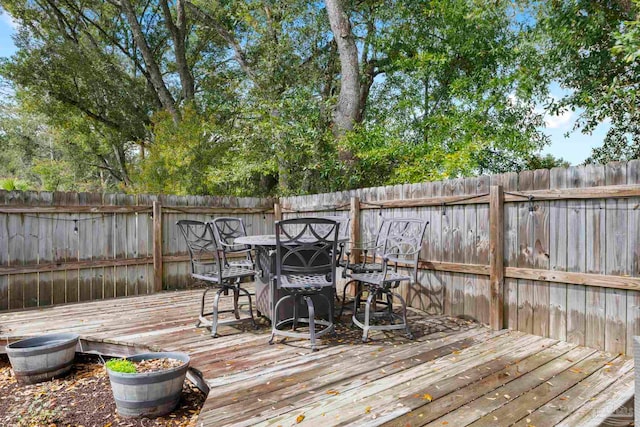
[[348, 109], [168, 103], [178, 34]]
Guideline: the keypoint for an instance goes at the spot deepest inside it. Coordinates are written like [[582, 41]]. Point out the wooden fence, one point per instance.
[[67, 247], [551, 252]]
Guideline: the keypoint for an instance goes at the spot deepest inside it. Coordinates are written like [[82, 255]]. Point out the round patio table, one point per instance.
[[267, 293]]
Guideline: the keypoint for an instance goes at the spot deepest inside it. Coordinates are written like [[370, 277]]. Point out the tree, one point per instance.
[[589, 48], [260, 97]]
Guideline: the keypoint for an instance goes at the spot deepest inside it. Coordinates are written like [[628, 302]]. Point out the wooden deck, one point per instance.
[[455, 373]]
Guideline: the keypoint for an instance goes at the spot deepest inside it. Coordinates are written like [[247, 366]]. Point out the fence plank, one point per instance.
[[525, 254], [483, 288], [576, 259], [633, 245], [496, 258], [541, 256], [616, 261], [596, 240], [4, 253], [469, 251], [558, 257]]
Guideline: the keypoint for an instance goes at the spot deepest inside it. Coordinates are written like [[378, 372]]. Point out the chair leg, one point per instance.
[[274, 317], [367, 315], [312, 322], [404, 314], [296, 301], [248, 295], [201, 316], [236, 309], [214, 319], [344, 296], [330, 313]]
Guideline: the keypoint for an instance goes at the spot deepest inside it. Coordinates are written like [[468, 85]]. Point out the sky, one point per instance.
[[574, 149]]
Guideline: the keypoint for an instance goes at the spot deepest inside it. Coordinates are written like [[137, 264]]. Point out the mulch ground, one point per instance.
[[82, 398]]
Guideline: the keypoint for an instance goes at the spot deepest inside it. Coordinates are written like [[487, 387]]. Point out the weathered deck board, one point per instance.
[[455, 371]]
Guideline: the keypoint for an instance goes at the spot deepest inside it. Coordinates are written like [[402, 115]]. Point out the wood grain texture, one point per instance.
[[558, 257], [496, 257], [576, 259], [616, 261]]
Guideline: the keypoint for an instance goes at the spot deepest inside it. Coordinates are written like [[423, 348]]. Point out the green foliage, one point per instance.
[[449, 89], [11, 184], [591, 49], [123, 366]]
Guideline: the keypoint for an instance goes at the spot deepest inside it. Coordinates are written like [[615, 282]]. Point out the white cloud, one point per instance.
[[8, 19], [562, 120]]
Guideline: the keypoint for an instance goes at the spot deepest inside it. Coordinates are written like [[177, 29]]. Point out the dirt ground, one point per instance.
[[82, 398]]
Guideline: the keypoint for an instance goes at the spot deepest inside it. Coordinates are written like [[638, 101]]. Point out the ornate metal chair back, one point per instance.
[[227, 230], [201, 242], [306, 246], [403, 241]]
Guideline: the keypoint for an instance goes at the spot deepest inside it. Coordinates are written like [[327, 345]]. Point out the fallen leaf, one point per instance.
[[333, 392], [427, 396], [300, 418], [367, 409]]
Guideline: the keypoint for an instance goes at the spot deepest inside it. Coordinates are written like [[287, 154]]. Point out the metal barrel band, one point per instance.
[[129, 404], [22, 374]]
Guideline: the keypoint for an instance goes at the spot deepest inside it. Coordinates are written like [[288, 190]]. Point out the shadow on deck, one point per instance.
[[455, 373]]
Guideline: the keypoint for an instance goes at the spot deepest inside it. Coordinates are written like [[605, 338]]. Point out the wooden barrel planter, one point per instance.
[[149, 394], [42, 358]]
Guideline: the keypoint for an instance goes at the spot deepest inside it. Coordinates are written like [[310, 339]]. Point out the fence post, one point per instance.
[[354, 233], [277, 212], [157, 246], [496, 257]]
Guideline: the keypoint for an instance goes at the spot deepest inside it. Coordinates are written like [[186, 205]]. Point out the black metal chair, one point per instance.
[[403, 243], [207, 265], [227, 230], [305, 266]]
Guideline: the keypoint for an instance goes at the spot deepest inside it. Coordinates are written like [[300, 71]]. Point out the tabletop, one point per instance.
[[265, 240]]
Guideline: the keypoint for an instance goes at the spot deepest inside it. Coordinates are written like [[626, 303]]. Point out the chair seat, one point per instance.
[[231, 272], [303, 281], [246, 263], [365, 268], [379, 279]]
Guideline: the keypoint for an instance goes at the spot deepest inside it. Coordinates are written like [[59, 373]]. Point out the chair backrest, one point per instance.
[[380, 239], [227, 230], [306, 246], [403, 240], [201, 242], [344, 221]]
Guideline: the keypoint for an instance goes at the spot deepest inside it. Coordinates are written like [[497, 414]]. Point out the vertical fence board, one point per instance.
[[558, 257], [616, 261], [59, 236], [596, 241], [483, 289], [469, 254], [45, 252], [525, 254], [633, 245], [72, 248], [109, 248], [30, 253], [541, 256], [576, 259], [4, 253], [85, 250]]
